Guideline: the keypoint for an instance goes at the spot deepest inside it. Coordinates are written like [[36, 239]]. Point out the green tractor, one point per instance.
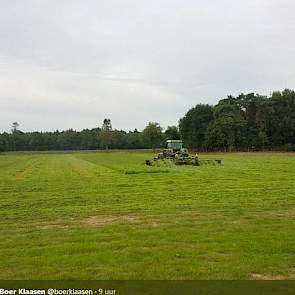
[[177, 154]]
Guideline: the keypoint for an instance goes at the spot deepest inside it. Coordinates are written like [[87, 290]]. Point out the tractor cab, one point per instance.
[[174, 145]]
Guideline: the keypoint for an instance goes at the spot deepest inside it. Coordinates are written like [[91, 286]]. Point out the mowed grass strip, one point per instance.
[[105, 215]]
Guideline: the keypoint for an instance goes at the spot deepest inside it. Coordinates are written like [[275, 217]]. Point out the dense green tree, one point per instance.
[[254, 109], [134, 140], [90, 139], [227, 131], [282, 123], [193, 126], [172, 132], [152, 135], [2, 145]]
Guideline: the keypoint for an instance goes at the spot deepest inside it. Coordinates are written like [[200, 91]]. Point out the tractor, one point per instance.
[[177, 154], [174, 152]]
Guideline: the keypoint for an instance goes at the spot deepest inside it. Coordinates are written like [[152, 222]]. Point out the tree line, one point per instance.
[[103, 137], [245, 122], [242, 123]]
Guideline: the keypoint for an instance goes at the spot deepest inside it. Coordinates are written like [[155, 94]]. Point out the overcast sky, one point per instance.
[[71, 63]]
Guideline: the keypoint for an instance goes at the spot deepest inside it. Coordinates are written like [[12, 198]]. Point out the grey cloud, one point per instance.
[[70, 63]]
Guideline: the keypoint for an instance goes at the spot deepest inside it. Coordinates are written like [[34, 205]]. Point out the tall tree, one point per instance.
[[193, 126], [282, 124], [105, 134], [172, 132], [227, 131], [15, 137], [14, 127], [152, 135], [254, 109]]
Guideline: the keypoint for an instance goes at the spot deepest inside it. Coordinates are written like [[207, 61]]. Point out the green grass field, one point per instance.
[[105, 215]]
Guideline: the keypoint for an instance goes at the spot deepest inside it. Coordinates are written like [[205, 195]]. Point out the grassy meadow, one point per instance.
[[105, 215]]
